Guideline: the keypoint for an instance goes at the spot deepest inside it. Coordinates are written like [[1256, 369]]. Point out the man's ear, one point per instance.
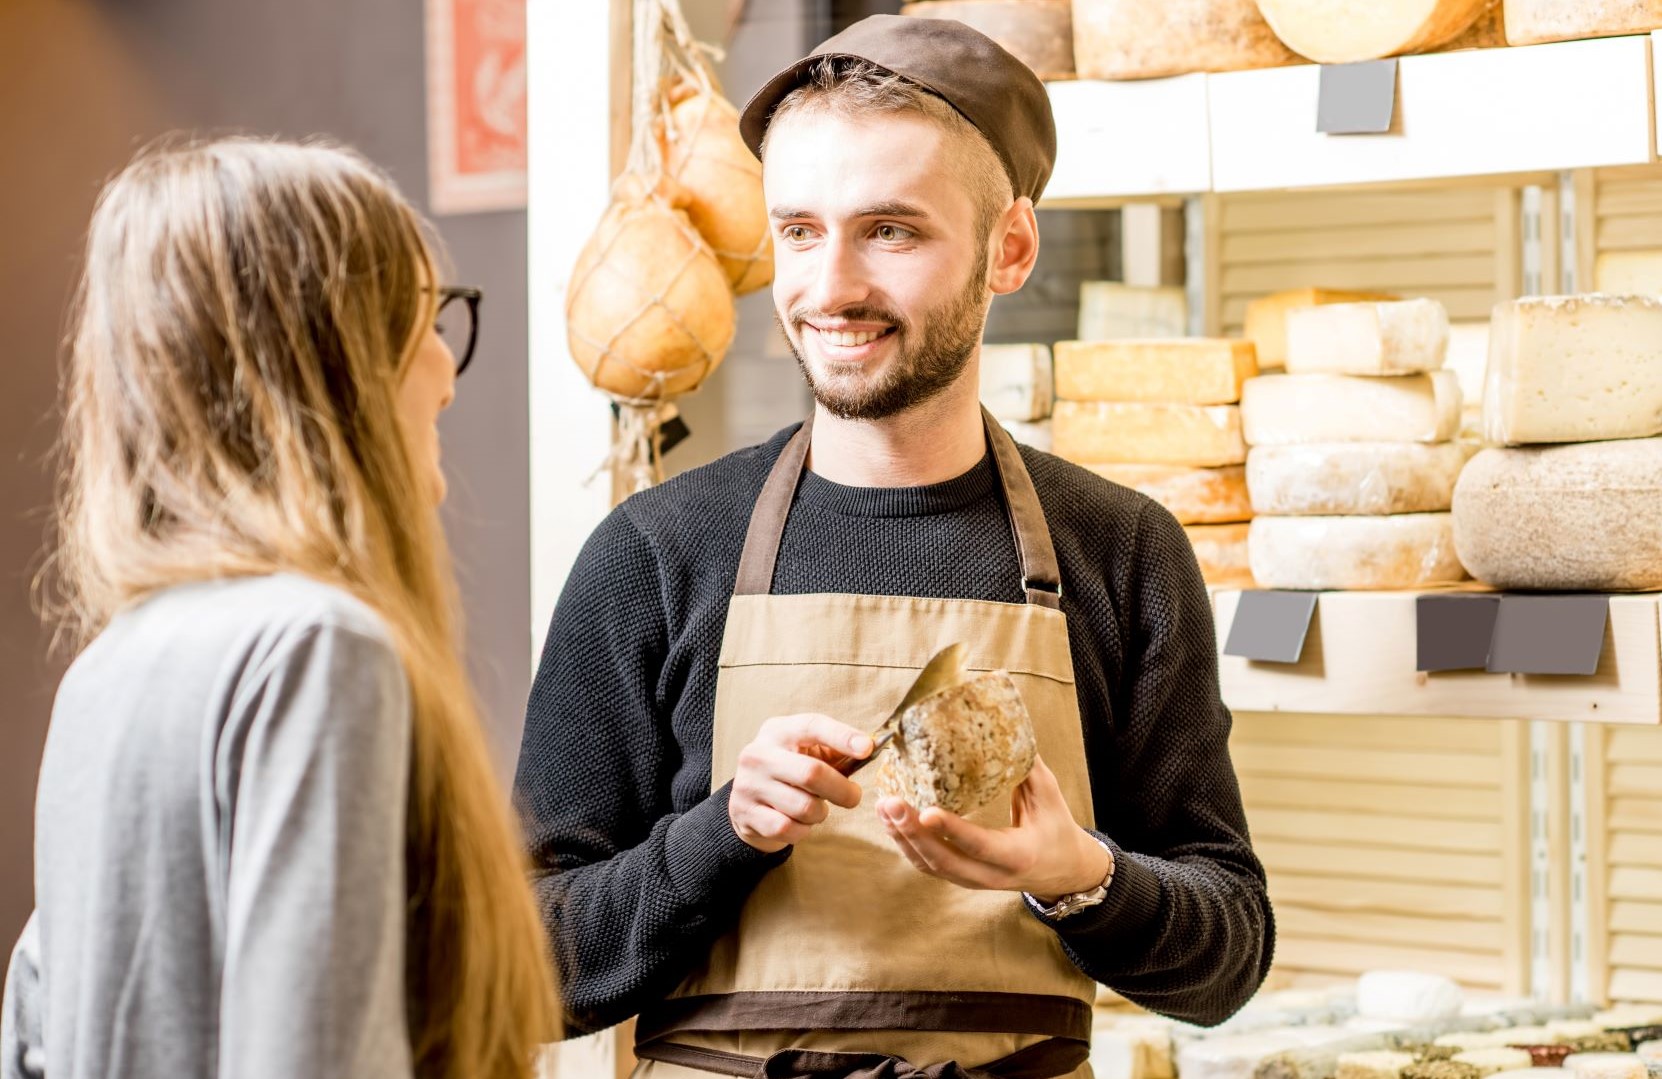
[[1015, 248]]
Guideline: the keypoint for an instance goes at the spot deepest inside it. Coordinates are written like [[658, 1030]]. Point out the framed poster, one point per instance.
[[476, 124]]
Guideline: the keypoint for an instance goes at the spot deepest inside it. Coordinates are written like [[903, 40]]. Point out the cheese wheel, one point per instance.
[[1530, 22], [1145, 39], [1410, 550], [1016, 382], [1574, 369], [1579, 517], [1192, 370], [1373, 1064], [1039, 33], [1282, 410], [706, 155], [1497, 1059], [1407, 996], [1355, 478], [1408, 337], [960, 748], [1266, 318], [1119, 432], [1488, 32], [1222, 551], [1345, 31], [1193, 495], [1110, 311], [1606, 1066], [1629, 273]]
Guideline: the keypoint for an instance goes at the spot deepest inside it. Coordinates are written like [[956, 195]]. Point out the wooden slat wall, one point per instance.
[[1626, 215], [1456, 244], [1391, 842], [1624, 862]]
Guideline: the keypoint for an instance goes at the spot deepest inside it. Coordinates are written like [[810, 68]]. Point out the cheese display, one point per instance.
[[1629, 273], [1574, 369], [1223, 553], [1498, 1059], [1110, 311], [1401, 338], [960, 748], [1530, 22], [1016, 381], [1407, 996], [1196, 371], [1039, 33], [1410, 550], [1137, 39], [705, 154], [1280, 410], [1579, 517], [1194, 495], [1107, 432], [1266, 318], [1372, 478], [1342, 31]]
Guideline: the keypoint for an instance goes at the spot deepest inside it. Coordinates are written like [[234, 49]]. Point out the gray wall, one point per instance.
[[83, 83]]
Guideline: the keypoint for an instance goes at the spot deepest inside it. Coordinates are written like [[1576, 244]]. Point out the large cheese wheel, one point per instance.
[[1578, 517], [1407, 337], [1187, 370], [1193, 495], [1529, 22], [1266, 317], [1344, 31], [1121, 432], [1146, 39], [1355, 478], [649, 314], [1410, 550], [706, 155], [1407, 996], [1039, 33], [1284, 410]]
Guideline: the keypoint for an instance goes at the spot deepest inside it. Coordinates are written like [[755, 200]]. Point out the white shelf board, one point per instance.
[[1656, 73], [1573, 104], [1128, 140], [1359, 659]]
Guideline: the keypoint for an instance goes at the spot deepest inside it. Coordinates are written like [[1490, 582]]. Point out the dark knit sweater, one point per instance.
[[638, 870]]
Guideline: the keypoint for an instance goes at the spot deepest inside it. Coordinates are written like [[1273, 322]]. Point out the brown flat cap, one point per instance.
[[996, 92]]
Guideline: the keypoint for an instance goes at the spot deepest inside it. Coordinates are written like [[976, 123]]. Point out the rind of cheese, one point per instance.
[[1343, 32], [1111, 311], [961, 748], [1137, 39], [1497, 1059], [1266, 317], [1327, 479], [1193, 495], [1039, 33], [1408, 337], [1223, 554], [1410, 550], [1017, 382], [1118, 432], [1284, 410], [1186, 370], [1574, 369], [1373, 1064], [1407, 996], [1580, 518], [1531, 22]]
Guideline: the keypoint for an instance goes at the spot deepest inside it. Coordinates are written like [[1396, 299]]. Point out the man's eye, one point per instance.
[[796, 233], [892, 233]]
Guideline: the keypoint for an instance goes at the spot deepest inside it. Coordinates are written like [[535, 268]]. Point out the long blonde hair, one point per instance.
[[244, 317]]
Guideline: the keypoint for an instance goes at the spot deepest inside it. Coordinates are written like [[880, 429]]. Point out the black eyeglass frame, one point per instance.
[[471, 296]]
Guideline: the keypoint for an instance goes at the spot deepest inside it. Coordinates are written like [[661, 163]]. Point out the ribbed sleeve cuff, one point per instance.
[[1126, 913], [706, 859]]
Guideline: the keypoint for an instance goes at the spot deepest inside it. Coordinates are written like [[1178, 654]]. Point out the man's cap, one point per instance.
[[993, 90]]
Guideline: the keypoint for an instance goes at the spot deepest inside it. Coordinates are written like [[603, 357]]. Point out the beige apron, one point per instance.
[[847, 961]]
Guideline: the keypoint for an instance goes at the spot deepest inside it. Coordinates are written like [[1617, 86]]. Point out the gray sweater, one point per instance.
[[219, 846]]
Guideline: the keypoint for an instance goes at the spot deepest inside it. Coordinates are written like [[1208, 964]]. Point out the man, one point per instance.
[[729, 637]]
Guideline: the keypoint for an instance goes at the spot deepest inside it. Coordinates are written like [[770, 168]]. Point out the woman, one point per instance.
[[269, 841]]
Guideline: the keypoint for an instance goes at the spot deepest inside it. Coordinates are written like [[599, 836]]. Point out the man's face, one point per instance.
[[879, 276]]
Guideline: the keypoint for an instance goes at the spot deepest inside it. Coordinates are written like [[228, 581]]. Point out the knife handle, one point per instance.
[[849, 765]]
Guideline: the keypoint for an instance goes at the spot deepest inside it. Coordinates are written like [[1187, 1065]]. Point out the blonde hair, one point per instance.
[[245, 315]]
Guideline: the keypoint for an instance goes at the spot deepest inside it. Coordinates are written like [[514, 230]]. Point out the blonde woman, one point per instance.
[[269, 841]]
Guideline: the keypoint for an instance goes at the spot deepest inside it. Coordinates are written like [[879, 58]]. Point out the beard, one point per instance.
[[930, 354]]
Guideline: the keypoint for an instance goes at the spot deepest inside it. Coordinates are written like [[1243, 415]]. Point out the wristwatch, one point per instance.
[[1078, 901]]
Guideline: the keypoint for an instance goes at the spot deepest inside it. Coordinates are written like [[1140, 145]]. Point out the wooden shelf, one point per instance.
[[1360, 654]]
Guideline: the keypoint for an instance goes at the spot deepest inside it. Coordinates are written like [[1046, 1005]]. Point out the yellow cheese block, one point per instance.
[[1629, 273], [1222, 552], [1109, 432], [1194, 495], [1266, 317], [1192, 371]]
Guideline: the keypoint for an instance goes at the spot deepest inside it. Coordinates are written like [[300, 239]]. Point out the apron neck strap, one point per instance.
[[1041, 577]]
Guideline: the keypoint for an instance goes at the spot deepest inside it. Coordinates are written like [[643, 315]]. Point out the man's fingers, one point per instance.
[[971, 840], [812, 775], [792, 802], [939, 856], [814, 731]]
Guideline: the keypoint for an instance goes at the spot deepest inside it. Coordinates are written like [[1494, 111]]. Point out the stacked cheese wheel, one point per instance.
[[1161, 416], [1016, 387], [1354, 457], [1574, 390], [1039, 33]]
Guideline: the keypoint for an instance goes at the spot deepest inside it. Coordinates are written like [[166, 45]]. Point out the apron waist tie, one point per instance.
[[1046, 1060]]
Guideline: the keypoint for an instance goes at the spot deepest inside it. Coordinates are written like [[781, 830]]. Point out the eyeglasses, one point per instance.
[[458, 321]]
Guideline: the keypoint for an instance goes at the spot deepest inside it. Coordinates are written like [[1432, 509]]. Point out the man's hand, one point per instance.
[[785, 778], [1043, 853]]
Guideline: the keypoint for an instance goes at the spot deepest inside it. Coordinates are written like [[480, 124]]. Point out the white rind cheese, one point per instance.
[[1574, 369], [1017, 382], [1193, 495], [1355, 478], [1629, 273], [1606, 1066], [1496, 1059], [1344, 31], [1283, 410], [1266, 318], [1410, 550], [1187, 370], [1408, 337], [1530, 22], [1121, 432], [1581, 517], [1139, 39], [1110, 311], [1407, 996]]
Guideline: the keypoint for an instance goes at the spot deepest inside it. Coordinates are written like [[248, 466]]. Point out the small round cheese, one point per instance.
[[1408, 996]]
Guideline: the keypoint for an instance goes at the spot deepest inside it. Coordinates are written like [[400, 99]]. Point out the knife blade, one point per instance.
[[945, 668]]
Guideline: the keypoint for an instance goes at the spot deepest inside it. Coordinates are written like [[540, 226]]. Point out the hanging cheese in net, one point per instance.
[[1344, 31], [704, 153]]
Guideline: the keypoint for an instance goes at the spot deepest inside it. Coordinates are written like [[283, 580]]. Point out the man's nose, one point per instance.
[[840, 277]]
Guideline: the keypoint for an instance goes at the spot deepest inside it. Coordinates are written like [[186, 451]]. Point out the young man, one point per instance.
[[729, 636]]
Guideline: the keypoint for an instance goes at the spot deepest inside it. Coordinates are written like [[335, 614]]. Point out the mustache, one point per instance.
[[800, 315]]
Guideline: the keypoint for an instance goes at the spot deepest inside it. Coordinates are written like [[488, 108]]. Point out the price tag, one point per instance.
[[1549, 634], [1357, 99], [1452, 633], [1271, 626]]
